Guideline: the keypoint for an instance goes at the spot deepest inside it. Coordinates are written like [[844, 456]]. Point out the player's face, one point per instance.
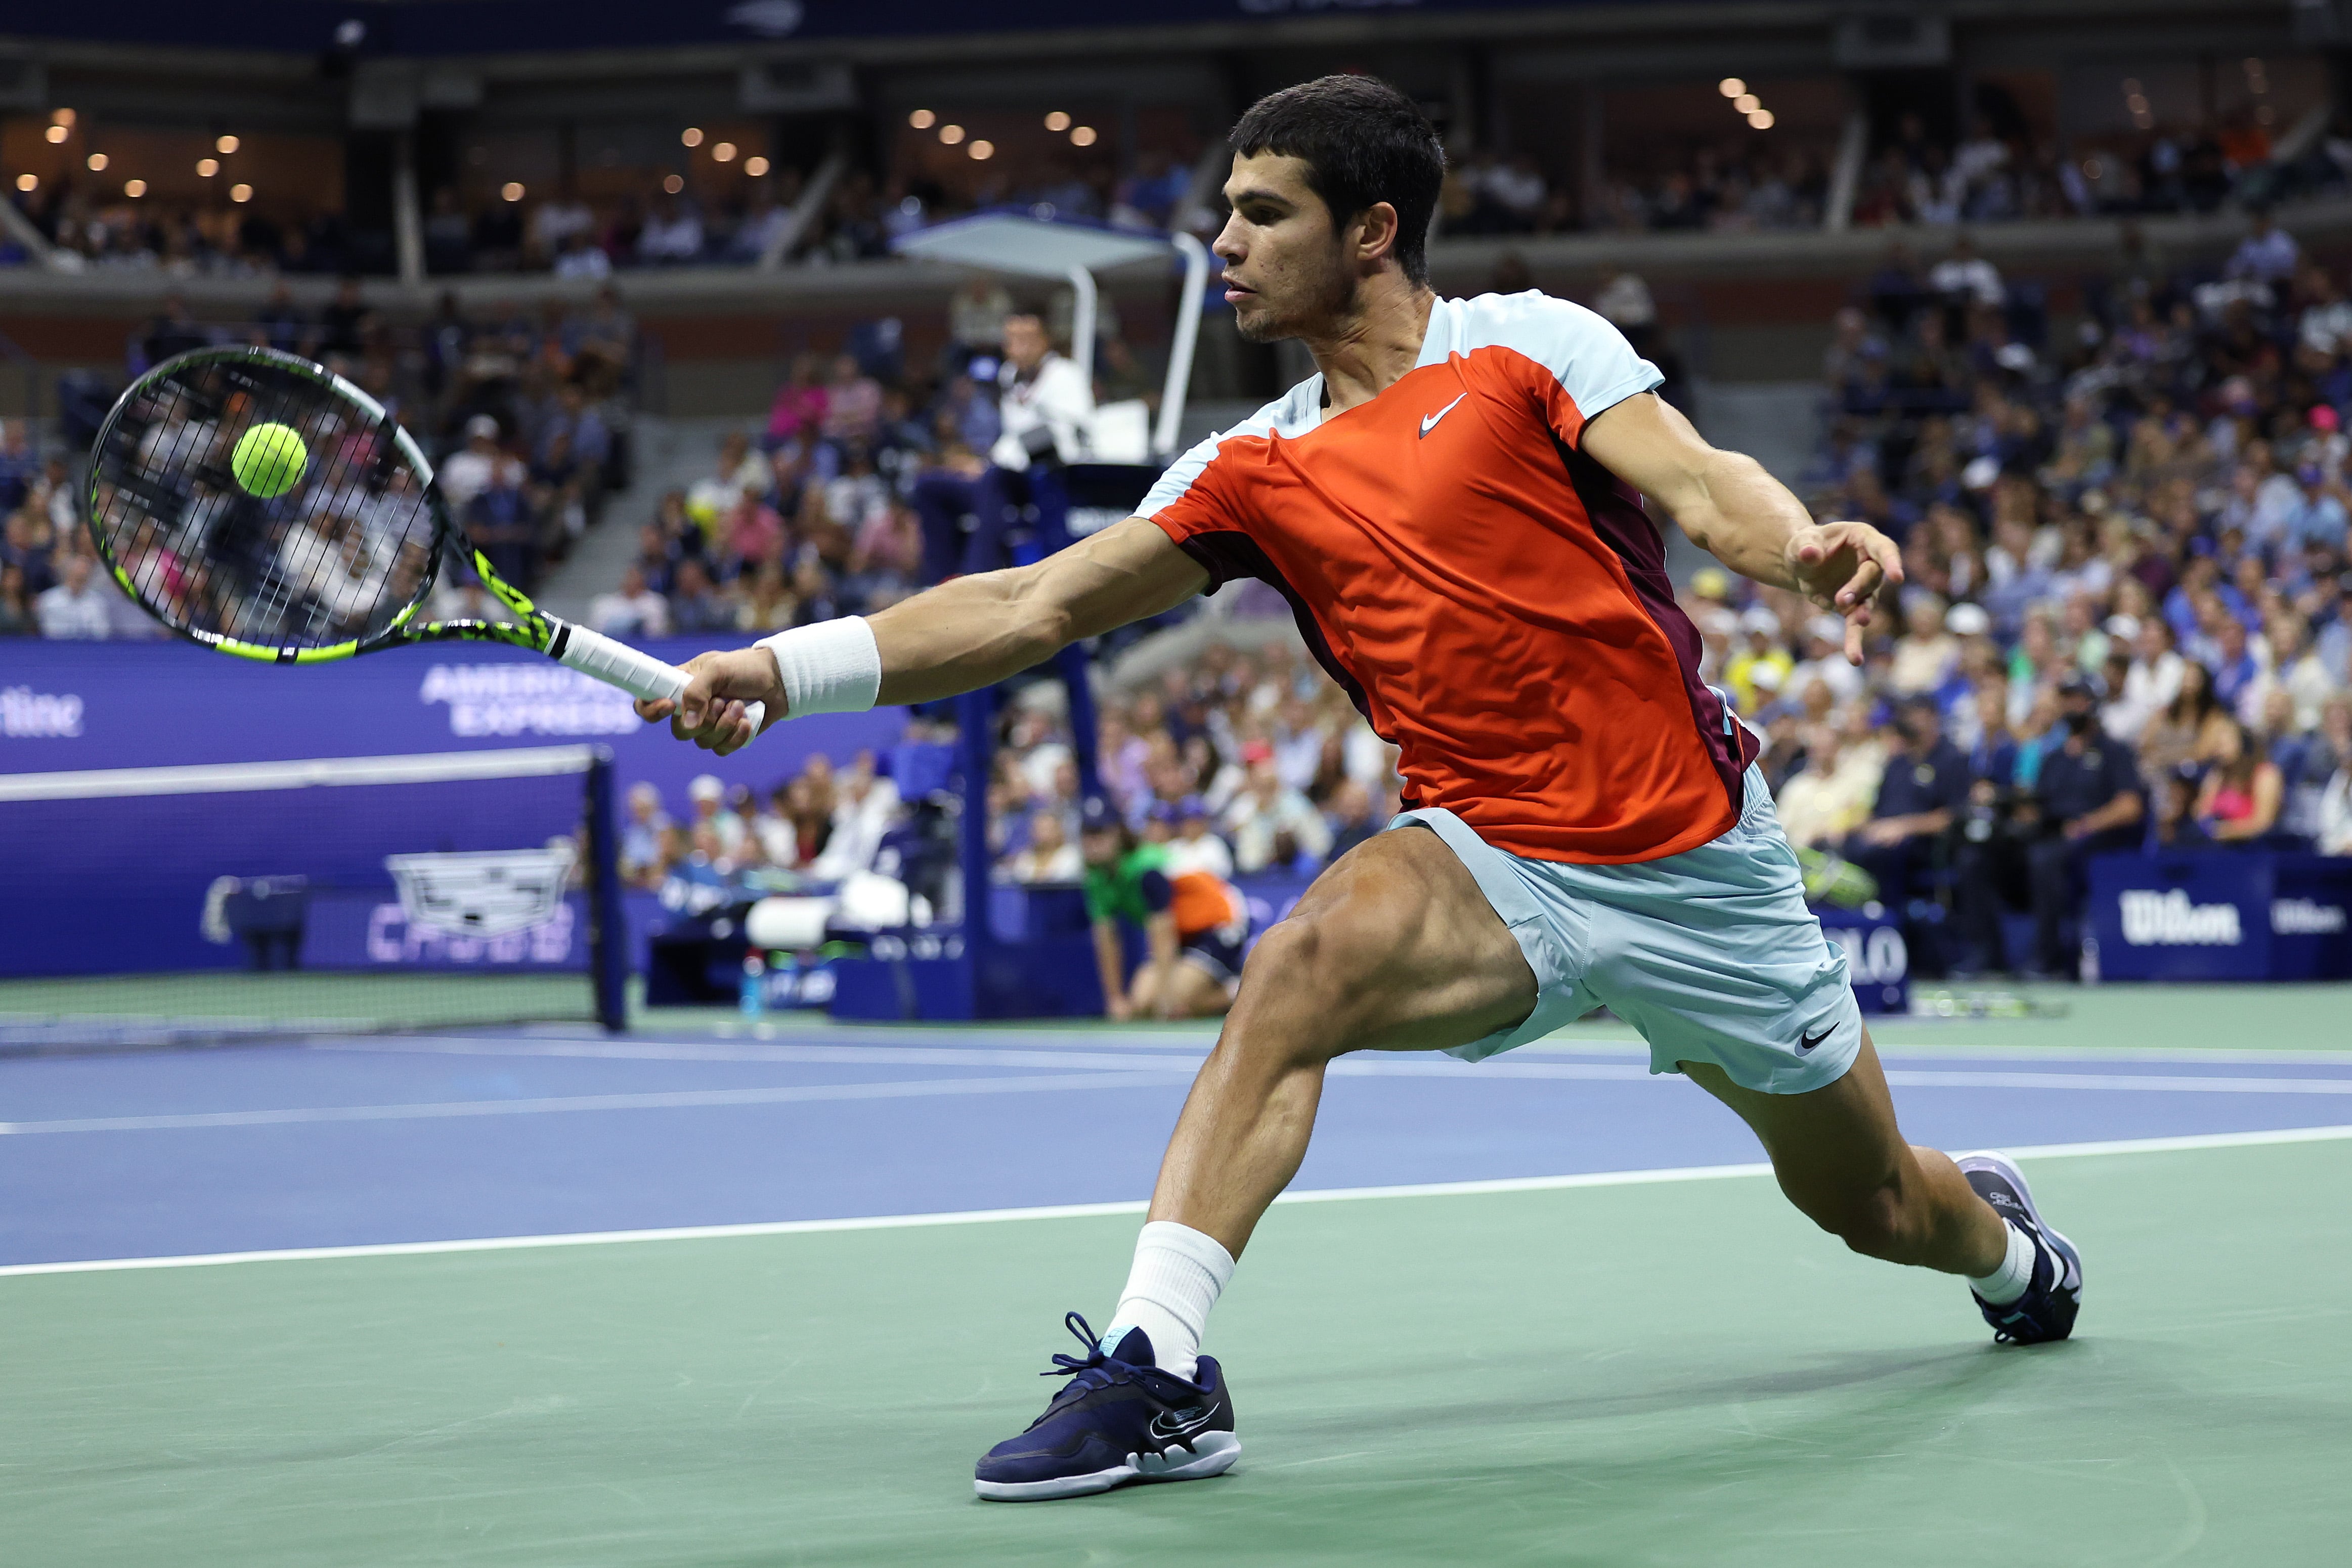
[[1285, 269]]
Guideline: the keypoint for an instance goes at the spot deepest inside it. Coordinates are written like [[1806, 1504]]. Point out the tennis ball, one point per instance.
[[269, 459]]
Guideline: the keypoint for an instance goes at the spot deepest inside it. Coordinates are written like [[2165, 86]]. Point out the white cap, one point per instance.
[[1758, 618], [705, 787], [481, 426], [1968, 620]]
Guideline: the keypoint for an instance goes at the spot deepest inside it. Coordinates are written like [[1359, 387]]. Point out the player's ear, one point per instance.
[[1375, 234]]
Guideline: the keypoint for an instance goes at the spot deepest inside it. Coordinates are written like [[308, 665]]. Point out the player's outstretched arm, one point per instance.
[[1741, 515], [958, 637]]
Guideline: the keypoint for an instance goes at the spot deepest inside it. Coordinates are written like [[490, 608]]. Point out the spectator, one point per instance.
[[863, 805], [343, 324], [2240, 799], [1196, 847], [1353, 816], [1049, 856], [469, 472], [2088, 801], [671, 235], [1273, 826], [853, 404], [2267, 254], [18, 617], [632, 613], [174, 331], [77, 607], [1919, 797], [1964, 278], [695, 603], [643, 838], [557, 223], [711, 816]]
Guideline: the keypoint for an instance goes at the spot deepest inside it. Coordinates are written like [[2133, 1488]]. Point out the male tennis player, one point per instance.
[[1453, 505]]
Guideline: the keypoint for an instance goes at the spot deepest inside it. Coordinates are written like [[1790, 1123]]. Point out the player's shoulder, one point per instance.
[[1294, 412], [1550, 331]]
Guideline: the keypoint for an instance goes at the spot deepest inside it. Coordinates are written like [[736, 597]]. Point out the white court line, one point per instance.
[[1085, 1211], [1112, 1072], [745, 1045], [287, 1115]]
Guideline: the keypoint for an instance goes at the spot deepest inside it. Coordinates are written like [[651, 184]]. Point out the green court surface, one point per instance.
[[1655, 1373]]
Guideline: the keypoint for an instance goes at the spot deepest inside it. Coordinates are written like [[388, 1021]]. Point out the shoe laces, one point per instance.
[[1090, 1371]]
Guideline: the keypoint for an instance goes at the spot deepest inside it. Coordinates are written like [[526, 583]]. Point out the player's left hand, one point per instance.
[[1840, 567]]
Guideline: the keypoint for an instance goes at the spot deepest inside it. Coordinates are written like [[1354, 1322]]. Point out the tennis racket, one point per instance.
[[332, 548]]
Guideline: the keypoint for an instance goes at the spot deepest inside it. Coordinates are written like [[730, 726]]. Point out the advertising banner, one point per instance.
[[2221, 915]]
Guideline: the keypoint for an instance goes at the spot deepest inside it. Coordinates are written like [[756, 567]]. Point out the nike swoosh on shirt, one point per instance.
[[1807, 1042], [1428, 421]]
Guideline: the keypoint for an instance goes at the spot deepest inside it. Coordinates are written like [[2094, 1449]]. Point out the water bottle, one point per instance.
[[755, 985]]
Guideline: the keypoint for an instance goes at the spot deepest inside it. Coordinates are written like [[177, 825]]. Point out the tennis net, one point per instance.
[[202, 904]]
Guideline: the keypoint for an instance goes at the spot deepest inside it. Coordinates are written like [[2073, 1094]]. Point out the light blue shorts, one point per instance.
[[1711, 954]]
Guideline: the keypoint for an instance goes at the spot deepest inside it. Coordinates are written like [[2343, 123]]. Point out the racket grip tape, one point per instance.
[[617, 664]]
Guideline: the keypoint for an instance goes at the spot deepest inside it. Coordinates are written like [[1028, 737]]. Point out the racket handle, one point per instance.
[[639, 673]]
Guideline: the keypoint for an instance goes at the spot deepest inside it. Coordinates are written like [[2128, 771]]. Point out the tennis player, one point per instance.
[[1452, 504]]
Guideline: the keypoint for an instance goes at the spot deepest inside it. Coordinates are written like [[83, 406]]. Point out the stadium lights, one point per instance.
[[950, 134], [1761, 119], [1747, 103], [1731, 87], [62, 117], [982, 152], [673, 184], [511, 190], [134, 188], [28, 181], [723, 154], [755, 165], [226, 145], [97, 162], [240, 192], [56, 133], [207, 167], [1057, 121], [1082, 136], [922, 120], [691, 136]]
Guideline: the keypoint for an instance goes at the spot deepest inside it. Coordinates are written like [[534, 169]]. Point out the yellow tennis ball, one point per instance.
[[269, 459]]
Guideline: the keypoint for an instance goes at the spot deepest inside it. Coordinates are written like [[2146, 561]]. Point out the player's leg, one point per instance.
[[1842, 1161], [1394, 947], [1841, 1158]]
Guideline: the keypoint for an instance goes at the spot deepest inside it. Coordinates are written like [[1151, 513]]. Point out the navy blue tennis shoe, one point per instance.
[[2047, 1312], [1118, 1419]]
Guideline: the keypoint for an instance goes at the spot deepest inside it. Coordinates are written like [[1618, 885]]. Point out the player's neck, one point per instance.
[[1375, 343]]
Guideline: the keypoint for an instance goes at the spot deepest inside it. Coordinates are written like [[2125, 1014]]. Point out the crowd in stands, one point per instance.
[[1243, 761], [528, 416], [1990, 174], [870, 478], [2126, 620]]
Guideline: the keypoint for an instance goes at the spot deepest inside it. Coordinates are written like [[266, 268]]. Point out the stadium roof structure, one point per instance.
[[1030, 247]]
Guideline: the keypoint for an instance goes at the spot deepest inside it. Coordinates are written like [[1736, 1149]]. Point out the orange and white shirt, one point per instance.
[[1494, 600]]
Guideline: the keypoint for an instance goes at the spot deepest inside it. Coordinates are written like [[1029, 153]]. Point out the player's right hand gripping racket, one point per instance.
[[262, 505]]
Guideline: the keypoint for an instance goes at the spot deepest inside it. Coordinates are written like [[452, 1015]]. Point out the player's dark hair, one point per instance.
[[1362, 142]]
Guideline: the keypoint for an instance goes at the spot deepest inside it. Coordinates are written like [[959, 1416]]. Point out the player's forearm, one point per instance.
[[966, 633], [1742, 516]]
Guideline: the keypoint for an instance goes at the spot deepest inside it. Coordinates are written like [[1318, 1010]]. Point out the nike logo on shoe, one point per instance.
[[1805, 1043], [1175, 1425], [1428, 421]]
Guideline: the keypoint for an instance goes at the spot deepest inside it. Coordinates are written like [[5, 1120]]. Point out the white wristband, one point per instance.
[[832, 666]]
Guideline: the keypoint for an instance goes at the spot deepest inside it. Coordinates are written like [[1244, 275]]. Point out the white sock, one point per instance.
[[1178, 1274], [2008, 1282]]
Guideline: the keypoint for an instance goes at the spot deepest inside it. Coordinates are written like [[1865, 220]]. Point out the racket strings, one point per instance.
[[338, 557]]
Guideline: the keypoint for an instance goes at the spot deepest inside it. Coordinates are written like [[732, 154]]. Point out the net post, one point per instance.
[[608, 932]]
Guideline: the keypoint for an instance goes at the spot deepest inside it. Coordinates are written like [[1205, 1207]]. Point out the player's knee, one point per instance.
[[1321, 969]]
